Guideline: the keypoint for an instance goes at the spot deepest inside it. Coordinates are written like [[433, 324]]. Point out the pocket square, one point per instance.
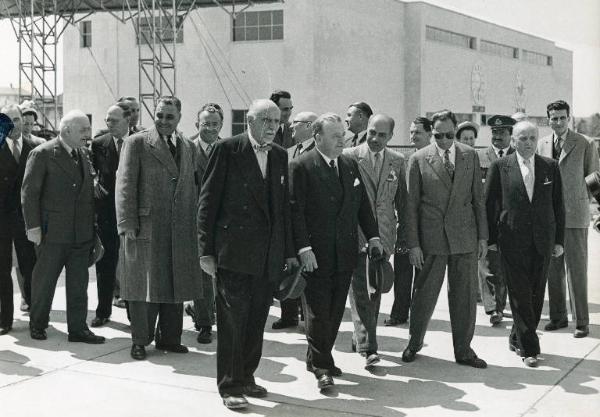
[[282, 178], [356, 182]]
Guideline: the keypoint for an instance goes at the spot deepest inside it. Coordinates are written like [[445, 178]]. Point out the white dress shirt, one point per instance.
[[16, 143], [527, 173], [442, 153], [497, 151], [261, 156]]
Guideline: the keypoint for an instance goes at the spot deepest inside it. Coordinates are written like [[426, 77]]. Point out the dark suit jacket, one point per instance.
[[243, 219], [11, 178], [55, 195], [105, 161], [515, 222], [327, 210], [284, 139]]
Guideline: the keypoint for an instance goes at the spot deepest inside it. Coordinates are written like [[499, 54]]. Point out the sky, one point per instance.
[[572, 24]]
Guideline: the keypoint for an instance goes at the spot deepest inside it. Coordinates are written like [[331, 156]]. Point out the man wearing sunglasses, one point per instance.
[[447, 228]]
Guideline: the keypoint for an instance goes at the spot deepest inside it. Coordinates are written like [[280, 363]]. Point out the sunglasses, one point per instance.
[[448, 135]]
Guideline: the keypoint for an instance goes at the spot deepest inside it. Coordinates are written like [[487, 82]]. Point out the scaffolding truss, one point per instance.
[[39, 24]]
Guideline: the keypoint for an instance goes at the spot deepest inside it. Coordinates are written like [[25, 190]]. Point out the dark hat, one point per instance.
[[500, 121], [380, 276], [292, 283], [363, 107], [96, 252], [6, 125]]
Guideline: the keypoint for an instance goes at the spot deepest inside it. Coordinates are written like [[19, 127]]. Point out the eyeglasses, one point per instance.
[[308, 122], [448, 135], [214, 125]]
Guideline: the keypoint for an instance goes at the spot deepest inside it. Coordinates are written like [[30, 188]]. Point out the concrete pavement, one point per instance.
[[58, 378]]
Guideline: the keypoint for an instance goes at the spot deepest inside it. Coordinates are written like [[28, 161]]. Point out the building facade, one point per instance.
[[404, 59]]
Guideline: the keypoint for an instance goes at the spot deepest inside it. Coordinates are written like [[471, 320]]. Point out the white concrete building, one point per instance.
[[404, 59]]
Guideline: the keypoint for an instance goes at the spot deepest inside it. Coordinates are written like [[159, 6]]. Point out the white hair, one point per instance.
[[260, 106], [524, 125], [70, 117]]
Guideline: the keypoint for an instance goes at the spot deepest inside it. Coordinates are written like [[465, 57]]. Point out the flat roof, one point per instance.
[[14, 8]]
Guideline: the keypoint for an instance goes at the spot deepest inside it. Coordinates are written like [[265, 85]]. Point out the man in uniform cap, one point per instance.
[[491, 279]]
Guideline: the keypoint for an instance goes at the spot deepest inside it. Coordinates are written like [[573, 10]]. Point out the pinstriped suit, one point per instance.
[[387, 195]]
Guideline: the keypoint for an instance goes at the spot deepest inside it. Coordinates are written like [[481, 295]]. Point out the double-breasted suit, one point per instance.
[[105, 159], [156, 195], [12, 229], [386, 192], [327, 208], [577, 159], [244, 223], [525, 231], [446, 218], [58, 197]]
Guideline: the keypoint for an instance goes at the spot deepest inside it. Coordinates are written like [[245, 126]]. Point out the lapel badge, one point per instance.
[[392, 177], [356, 182]]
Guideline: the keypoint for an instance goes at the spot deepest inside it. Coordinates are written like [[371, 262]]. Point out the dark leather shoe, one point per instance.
[[555, 325], [284, 324], [86, 336], [473, 362], [234, 402], [138, 352], [513, 348], [38, 334], [393, 322], [335, 371], [581, 331], [5, 330], [255, 391], [372, 359], [99, 321], [172, 348], [496, 318], [205, 335], [531, 361], [324, 382], [408, 355]]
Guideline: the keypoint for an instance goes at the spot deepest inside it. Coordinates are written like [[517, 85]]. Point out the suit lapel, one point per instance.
[[160, 150], [515, 176], [63, 159], [324, 173], [246, 160], [6, 156], [460, 170], [541, 176], [567, 146], [346, 175], [491, 154], [438, 166], [365, 163], [386, 168], [110, 152]]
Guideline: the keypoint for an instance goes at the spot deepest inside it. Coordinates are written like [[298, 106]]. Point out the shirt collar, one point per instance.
[[253, 141], [326, 158], [441, 151], [521, 160], [205, 145], [563, 136], [18, 140], [505, 150], [64, 145]]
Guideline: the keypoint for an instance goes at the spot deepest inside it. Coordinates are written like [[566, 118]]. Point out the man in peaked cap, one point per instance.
[[491, 279]]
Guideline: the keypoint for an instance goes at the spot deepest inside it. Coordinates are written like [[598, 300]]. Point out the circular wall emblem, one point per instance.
[[478, 85]]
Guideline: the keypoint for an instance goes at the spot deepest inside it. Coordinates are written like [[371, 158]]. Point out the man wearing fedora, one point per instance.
[[383, 173], [491, 279], [577, 158]]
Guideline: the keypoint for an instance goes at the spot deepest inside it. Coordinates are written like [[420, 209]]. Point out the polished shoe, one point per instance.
[[393, 322], [205, 335], [5, 329], [234, 402], [555, 325], [531, 361], [324, 382], [172, 348], [85, 336], [38, 334], [284, 324], [372, 359], [335, 371], [138, 352], [473, 362], [408, 355], [119, 302], [255, 391], [99, 321], [496, 318], [581, 331]]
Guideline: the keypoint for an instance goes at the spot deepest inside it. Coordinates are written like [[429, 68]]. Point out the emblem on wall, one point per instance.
[[520, 93], [478, 88]]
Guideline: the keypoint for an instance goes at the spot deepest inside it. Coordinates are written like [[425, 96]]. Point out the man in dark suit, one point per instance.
[[245, 239], [357, 119], [283, 136], [526, 219], [106, 150], [329, 202], [304, 142], [58, 207], [446, 228], [14, 151], [134, 113], [202, 310]]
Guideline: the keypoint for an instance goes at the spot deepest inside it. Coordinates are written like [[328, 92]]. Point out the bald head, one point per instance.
[[379, 131], [117, 120], [75, 128], [302, 126], [525, 138], [263, 120]]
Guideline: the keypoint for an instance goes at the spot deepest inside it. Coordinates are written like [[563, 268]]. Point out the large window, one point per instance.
[[163, 27], [239, 121], [537, 58], [258, 26], [452, 38], [85, 31], [498, 49]]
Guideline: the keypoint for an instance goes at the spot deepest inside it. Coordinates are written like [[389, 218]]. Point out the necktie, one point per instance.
[[355, 139], [172, 147], [74, 156], [15, 150], [528, 178], [500, 153], [298, 149], [377, 165], [449, 165], [262, 152], [265, 147], [333, 167], [119, 146], [558, 147], [209, 148]]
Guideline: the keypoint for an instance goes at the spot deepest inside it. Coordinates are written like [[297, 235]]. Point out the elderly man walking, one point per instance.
[[156, 197]]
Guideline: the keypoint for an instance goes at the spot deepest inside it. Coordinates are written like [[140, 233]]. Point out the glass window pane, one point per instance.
[[251, 18], [278, 32], [278, 17], [239, 34], [252, 34], [240, 20], [264, 18], [264, 33]]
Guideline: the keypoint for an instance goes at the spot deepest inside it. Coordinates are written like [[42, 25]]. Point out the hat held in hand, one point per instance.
[[292, 283], [379, 276]]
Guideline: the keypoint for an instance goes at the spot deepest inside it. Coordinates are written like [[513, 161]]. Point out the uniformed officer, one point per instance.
[[491, 278]]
